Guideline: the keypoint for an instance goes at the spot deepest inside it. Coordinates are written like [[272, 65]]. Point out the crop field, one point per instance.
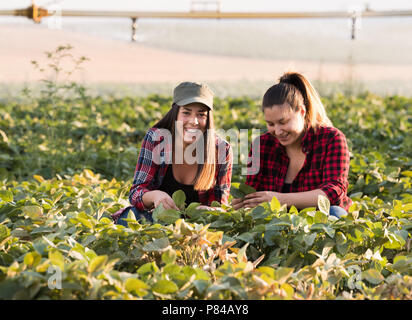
[[67, 160]]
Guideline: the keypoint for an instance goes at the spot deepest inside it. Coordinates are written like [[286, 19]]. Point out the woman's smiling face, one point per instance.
[[285, 124], [194, 121]]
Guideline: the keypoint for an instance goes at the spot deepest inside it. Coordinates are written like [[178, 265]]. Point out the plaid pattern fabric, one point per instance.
[[326, 166], [154, 160]]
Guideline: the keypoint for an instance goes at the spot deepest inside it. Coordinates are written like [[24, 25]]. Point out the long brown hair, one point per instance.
[[205, 177], [295, 89]]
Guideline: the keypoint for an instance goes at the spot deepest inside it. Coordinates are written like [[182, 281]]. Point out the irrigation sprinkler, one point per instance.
[[354, 15]]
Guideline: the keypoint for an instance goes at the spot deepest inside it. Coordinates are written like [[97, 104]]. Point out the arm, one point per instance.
[[299, 199], [254, 164], [334, 185], [336, 169], [145, 170], [156, 197], [224, 177]]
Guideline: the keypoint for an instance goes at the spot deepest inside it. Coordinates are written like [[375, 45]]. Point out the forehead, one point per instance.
[[195, 107], [278, 112]]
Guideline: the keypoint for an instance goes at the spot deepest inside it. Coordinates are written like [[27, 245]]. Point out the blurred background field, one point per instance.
[[236, 57]]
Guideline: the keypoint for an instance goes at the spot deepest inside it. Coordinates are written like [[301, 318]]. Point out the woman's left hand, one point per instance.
[[254, 199]]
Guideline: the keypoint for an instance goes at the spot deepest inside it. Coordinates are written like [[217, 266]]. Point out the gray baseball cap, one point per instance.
[[189, 92]]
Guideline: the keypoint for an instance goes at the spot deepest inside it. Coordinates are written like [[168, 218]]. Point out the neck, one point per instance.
[[294, 148]]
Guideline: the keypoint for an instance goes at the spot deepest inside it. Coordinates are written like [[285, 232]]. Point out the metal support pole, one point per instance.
[[353, 26], [134, 29]]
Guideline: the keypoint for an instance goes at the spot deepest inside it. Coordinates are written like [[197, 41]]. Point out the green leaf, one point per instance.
[[201, 285], [191, 210], [323, 204], [165, 287], [309, 239], [246, 189], [157, 211], [215, 204], [168, 216], [202, 275], [4, 232], [6, 195], [274, 204], [259, 213], [293, 210], [149, 267], [169, 256], [340, 238], [87, 223], [310, 211], [172, 269], [179, 198], [236, 193], [57, 259], [32, 259], [38, 178], [34, 212], [407, 173], [156, 245], [323, 227], [97, 263], [320, 217], [395, 241], [137, 286], [373, 276], [282, 274], [247, 237], [270, 272], [402, 264], [131, 216], [241, 255]]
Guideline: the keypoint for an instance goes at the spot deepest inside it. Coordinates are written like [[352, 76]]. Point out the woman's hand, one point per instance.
[[156, 197], [237, 203], [254, 199]]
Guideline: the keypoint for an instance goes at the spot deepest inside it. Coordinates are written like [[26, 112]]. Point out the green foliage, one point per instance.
[[66, 164], [268, 252], [240, 190]]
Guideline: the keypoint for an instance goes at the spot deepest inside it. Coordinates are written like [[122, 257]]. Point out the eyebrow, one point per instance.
[[279, 120], [201, 110]]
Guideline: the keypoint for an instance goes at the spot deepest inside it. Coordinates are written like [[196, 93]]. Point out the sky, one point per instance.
[[225, 5]]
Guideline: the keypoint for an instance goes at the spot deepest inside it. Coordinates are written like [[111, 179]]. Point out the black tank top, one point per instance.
[[170, 185]]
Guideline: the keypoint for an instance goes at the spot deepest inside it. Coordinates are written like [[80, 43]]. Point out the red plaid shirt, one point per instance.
[[326, 166], [149, 172]]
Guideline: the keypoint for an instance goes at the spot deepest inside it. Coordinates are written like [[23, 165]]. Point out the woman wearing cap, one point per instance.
[[181, 152], [302, 156]]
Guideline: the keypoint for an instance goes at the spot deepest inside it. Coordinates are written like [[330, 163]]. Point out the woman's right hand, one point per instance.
[[156, 197]]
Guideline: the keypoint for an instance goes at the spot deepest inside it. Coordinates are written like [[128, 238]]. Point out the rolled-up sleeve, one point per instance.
[[255, 163], [144, 172], [336, 169], [224, 177]]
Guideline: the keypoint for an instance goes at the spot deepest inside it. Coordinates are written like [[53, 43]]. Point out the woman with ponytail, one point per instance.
[[302, 156], [181, 152]]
